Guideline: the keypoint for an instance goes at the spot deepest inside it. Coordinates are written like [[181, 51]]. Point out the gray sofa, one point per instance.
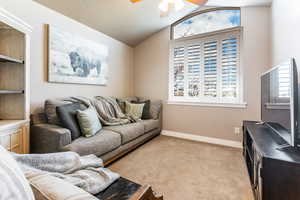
[[110, 143]]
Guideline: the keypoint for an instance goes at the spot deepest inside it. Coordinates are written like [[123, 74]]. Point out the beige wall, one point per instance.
[[120, 60], [143, 71], [285, 31], [151, 78]]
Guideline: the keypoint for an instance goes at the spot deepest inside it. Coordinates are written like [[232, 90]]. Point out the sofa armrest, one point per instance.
[[48, 138], [45, 187]]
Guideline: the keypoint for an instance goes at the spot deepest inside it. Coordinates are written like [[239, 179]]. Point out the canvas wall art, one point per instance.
[[73, 59]]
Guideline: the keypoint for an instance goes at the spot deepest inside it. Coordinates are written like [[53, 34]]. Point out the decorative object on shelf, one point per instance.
[[168, 6], [72, 59]]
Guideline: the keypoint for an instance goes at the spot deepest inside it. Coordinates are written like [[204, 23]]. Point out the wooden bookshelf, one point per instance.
[[14, 84]]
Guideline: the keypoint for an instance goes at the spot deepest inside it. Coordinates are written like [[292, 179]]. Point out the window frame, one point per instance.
[[199, 13], [201, 39]]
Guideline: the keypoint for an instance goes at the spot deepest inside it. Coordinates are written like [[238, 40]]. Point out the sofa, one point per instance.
[[111, 142]]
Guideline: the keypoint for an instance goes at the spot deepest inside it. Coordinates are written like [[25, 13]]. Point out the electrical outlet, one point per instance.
[[237, 130]]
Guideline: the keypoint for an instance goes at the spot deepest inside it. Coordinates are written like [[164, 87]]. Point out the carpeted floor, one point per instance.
[[186, 170]]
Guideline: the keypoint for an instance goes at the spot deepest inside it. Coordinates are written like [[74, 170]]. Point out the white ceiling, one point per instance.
[[127, 22]]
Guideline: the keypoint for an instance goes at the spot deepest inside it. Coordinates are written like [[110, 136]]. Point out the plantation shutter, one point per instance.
[[210, 68], [229, 67], [207, 69], [178, 63], [193, 62]]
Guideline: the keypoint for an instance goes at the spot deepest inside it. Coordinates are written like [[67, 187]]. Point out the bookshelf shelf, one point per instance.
[[11, 92], [10, 60]]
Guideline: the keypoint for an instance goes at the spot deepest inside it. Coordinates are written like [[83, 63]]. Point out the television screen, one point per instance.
[[277, 99]]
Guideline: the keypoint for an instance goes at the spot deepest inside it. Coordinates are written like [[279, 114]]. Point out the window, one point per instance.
[[207, 21], [204, 68]]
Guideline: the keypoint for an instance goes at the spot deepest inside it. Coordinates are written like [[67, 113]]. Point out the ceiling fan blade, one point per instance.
[[198, 2], [135, 1]]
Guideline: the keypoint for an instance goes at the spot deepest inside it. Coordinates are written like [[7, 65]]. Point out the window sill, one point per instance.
[[222, 105]]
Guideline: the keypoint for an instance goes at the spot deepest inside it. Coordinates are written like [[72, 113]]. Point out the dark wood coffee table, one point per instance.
[[124, 189]]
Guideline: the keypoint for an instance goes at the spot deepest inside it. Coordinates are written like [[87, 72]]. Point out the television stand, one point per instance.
[[274, 173]]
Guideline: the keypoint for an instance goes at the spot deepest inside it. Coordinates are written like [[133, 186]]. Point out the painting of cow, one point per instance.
[[72, 59]]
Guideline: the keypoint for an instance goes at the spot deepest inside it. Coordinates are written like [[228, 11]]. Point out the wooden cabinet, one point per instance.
[[14, 136], [14, 83], [274, 172]]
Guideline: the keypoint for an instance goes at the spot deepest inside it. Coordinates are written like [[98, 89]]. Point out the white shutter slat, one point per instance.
[[193, 62], [229, 64]]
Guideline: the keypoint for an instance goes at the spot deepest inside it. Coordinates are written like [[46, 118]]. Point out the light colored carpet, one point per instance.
[[187, 170]]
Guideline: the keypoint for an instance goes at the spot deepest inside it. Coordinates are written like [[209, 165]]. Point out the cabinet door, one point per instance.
[[26, 139], [257, 174], [16, 141]]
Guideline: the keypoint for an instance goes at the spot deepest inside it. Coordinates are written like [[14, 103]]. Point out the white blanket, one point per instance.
[[86, 172]]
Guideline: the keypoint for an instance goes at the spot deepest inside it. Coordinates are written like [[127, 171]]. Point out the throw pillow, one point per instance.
[[121, 104], [146, 110], [67, 115], [50, 110], [155, 109], [89, 122], [134, 110]]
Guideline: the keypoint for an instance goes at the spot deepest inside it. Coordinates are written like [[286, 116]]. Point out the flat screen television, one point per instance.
[[279, 101]]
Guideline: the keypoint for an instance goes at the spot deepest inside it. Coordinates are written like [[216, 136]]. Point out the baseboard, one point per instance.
[[228, 143]]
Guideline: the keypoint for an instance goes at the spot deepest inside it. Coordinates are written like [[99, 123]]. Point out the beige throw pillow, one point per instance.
[[134, 110], [89, 122]]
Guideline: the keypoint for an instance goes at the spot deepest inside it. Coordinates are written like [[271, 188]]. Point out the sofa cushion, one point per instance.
[[104, 141], [67, 115], [128, 132], [150, 124]]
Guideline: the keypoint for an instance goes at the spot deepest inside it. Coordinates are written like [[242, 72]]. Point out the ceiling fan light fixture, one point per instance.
[[167, 5], [179, 4], [163, 6]]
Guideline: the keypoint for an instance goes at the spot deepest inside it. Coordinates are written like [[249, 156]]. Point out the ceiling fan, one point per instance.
[[168, 6]]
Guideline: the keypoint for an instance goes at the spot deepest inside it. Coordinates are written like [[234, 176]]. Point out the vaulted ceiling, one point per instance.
[[127, 22]]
